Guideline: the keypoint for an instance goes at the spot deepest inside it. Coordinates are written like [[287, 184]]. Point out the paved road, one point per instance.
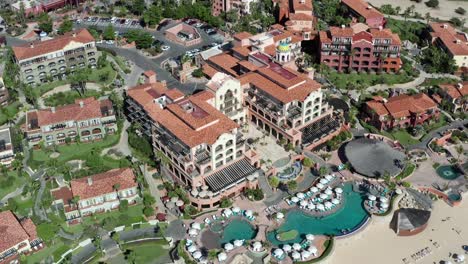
[[13, 194], [38, 210], [122, 146], [428, 137], [84, 254], [148, 232]]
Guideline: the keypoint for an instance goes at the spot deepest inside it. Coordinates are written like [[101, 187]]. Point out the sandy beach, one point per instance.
[[379, 244]]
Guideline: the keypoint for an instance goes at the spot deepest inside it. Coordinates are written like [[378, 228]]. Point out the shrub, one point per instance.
[[198, 73], [432, 3], [148, 211], [307, 162], [225, 202], [460, 10]]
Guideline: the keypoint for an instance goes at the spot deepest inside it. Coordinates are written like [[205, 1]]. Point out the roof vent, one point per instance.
[[81, 104], [380, 28], [342, 26], [459, 86], [188, 107], [74, 34], [90, 181], [369, 7], [445, 26], [31, 45], [52, 109], [458, 41]]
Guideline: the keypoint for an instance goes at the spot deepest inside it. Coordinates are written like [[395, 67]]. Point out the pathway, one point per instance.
[[13, 194], [122, 146], [84, 254], [38, 210], [430, 135]]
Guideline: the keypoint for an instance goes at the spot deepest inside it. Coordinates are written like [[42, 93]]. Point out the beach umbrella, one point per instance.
[[174, 199], [323, 181], [222, 256], [320, 186], [205, 187], [279, 215], [294, 199], [460, 257], [296, 255], [196, 225], [238, 243], [372, 197], [248, 213], [287, 247], [236, 209], [296, 246], [311, 206], [384, 205], [323, 196], [300, 195], [328, 204], [383, 199], [179, 203], [278, 252], [227, 212], [338, 190], [209, 193], [329, 177], [310, 237], [192, 248], [335, 201], [193, 232], [447, 262], [305, 255], [313, 250], [304, 203], [207, 220], [314, 189], [197, 255], [257, 246], [320, 207], [328, 192], [398, 191], [203, 194], [228, 247], [194, 193]]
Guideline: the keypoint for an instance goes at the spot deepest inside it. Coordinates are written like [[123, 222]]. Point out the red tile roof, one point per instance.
[[12, 231], [149, 73], [242, 35], [242, 50], [145, 94], [363, 8], [224, 61], [73, 112], [455, 90], [402, 105], [209, 71], [305, 5], [456, 42], [300, 17], [43, 47], [103, 183]]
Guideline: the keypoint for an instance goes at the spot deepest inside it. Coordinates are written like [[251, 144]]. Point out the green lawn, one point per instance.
[[132, 215], [406, 172], [364, 80], [8, 185], [437, 81], [49, 250], [10, 110], [69, 97], [288, 235], [407, 30], [120, 62], [404, 138], [149, 252], [72, 151]]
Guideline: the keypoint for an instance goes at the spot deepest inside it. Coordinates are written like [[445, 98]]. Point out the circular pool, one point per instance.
[[454, 197], [448, 172], [238, 229], [351, 216]]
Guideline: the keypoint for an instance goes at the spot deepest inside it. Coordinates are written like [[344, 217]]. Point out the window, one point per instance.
[[218, 148]]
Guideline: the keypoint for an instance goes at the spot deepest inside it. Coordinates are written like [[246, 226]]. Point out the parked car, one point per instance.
[[165, 47], [110, 42], [198, 25]]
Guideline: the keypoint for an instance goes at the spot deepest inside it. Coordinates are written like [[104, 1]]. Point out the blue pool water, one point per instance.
[[448, 172], [351, 215], [238, 229]]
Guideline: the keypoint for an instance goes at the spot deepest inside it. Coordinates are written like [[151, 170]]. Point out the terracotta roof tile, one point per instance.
[[242, 50], [242, 35], [103, 183], [403, 105], [12, 232], [224, 62], [43, 47], [456, 42], [149, 73], [362, 8], [455, 90], [145, 94], [305, 6], [300, 17]]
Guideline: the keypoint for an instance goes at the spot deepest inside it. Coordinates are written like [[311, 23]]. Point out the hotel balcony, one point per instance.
[[173, 144], [202, 157], [294, 112]]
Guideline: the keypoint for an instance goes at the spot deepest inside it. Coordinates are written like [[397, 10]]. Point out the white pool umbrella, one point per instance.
[[228, 247], [174, 199], [323, 181], [338, 190], [209, 193], [205, 187], [313, 249], [238, 243], [257, 245], [303, 203], [236, 209], [460, 257], [329, 177], [222, 256], [305, 255], [294, 199], [203, 194], [320, 207], [296, 246], [207, 220], [194, 193], [287, 248], [192, 248], [311, 206], [227, 212], [323, 196], [372, 197], [197, 255], [320, 186], [384, 205], [314, 189], [196, 225], [279, 215], [296, 255], [335, 201], [328, 204], [310, 237], [193, 232], [278, 252], [300, 195], [179, 203], [248, 213], [383, 199], [328, 192]]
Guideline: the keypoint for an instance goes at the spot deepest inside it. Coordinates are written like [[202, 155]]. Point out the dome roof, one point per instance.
[[283, 47]]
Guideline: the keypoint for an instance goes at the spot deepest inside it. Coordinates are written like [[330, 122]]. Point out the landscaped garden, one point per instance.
[[69, 97], [359, 81], [147, 252], [9, 112]]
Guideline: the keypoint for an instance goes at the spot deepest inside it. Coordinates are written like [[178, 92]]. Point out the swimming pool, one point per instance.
[[238, 229], [351, 215], [448, 172], [454, 197]]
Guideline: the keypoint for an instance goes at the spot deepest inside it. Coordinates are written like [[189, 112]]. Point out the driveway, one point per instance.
[[84, 254], [441, 130], [138, 233]]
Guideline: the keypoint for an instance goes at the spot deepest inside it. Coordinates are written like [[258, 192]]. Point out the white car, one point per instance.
[[110, 42], [165, 47], [198, 25], [100, 41]]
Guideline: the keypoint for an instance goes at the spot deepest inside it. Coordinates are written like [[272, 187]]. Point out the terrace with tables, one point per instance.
[[316, 131]]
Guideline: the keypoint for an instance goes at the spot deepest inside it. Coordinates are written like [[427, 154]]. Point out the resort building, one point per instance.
[[96, 194], [362, 11], [219, 7], [454, 42], [34, 7], [85, 120], [7, 152], [355, 49], [4, 94], [17, 237], [456, 95], [400, 111], [297, 15], [52, 59]]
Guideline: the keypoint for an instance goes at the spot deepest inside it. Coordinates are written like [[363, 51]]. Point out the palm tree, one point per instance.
[[459, 150], [428, 17], [397, 10]]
